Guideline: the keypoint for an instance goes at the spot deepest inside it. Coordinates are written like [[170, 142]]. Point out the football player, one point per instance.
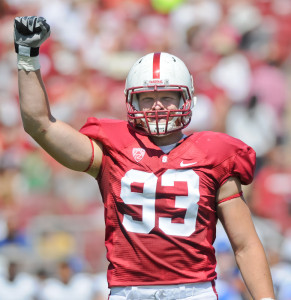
[[163, 191]]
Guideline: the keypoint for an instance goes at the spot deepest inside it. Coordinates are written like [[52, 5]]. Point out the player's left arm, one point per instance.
[[236, 219]]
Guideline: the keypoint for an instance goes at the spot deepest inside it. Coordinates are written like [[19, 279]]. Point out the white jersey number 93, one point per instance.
[[147, 200]]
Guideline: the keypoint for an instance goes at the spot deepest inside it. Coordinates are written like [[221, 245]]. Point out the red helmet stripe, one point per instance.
[[156, 65]]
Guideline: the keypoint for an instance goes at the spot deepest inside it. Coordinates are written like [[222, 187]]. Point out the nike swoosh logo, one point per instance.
[[187, 165]]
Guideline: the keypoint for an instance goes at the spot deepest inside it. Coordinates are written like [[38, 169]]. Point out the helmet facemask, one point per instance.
[[158, 122]]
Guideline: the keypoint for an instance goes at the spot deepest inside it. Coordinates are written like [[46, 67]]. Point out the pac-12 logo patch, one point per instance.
[[138, 154]]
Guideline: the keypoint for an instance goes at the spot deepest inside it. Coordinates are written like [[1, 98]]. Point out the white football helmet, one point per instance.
[[159, 72]]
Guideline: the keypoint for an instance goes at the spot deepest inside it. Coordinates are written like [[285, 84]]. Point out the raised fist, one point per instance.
[[29, 34]]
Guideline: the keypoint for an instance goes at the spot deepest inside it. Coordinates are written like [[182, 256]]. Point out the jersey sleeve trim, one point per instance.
[[231, 197], [92, 156]]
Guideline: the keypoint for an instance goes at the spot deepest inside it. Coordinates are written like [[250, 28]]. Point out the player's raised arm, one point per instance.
[[67, 145]]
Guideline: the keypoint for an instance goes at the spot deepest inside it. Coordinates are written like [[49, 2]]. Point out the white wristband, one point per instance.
[[28, 63], [267, 299]]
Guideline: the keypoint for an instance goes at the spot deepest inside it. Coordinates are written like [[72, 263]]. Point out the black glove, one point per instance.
[[29, 34]]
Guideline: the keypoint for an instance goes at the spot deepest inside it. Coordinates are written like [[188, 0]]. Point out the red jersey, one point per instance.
[[160, 209]]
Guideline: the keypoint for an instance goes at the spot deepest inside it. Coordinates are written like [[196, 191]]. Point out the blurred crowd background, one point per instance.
[[239, 52]]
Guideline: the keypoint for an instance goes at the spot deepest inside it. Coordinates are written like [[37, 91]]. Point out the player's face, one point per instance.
[[159, 101]]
